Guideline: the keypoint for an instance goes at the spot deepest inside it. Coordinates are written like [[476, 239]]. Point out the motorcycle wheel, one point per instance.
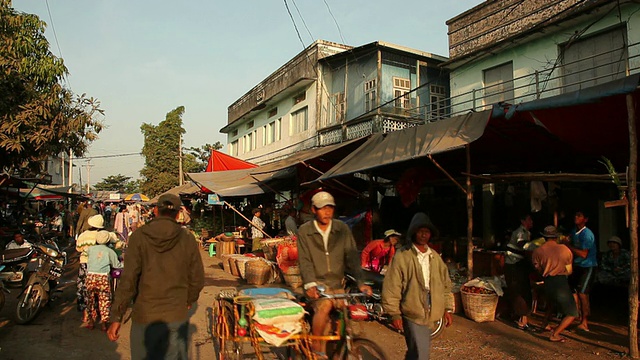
[[438, 329], [365, 349], [32, 304]]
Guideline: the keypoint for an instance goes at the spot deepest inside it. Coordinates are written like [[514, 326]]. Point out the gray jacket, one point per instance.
[[327, 266]]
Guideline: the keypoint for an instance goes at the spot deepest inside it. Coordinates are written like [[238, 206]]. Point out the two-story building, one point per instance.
[[331, 93], [516, 51]]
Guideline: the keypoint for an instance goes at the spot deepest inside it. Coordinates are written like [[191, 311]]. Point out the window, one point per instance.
[[277, 130], [299, 121], [249, 124], [595, 60], [272, 132], [233, 150], [300, 97], [338, 108], [401, 89], [234, 133], [498, 84], [249, 142], [437, 102], [273, 112], [369, 95]]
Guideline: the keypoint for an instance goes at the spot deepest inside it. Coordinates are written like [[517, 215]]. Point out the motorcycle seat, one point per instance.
[[13, 255]]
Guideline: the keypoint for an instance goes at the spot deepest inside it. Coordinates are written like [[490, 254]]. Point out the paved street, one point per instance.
[[56, 334]]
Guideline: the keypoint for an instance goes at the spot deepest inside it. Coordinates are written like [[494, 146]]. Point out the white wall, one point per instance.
[[538, 55]]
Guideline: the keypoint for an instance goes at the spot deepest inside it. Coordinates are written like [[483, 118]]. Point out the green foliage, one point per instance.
[[120, 183], [614, 175], [161, 152], [197, 158], [38, 116]]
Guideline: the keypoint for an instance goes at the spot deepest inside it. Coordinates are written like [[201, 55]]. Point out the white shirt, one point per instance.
[[325, 239], [13, 245], [424, 259], [521, 234], [255, 233]]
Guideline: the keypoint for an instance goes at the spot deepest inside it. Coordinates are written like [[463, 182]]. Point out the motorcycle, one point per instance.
[[17, 264], [373, 304], [41, 283], [2, 290]]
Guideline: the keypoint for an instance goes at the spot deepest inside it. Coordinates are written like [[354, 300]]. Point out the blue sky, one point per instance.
[[142, 59]]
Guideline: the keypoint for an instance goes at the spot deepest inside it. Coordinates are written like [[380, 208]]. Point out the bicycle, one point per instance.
[[232, 327]]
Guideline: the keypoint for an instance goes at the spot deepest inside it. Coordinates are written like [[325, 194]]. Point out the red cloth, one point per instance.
[[287, 256], [375, 256], [220, 162], [409, 185]]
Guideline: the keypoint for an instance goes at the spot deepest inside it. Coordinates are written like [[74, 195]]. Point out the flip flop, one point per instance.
[[582, 329], [560, 340]]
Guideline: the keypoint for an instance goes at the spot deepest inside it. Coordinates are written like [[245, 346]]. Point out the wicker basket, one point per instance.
[[479, 307], [225, 263], [292, 277], [270, 252], [233, 264], [257, 272]]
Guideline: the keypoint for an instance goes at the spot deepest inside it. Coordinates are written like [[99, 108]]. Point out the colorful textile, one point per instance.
[[98, 287], [81, 292]]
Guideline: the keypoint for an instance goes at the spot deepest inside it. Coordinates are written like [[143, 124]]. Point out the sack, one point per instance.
[[276, 311]]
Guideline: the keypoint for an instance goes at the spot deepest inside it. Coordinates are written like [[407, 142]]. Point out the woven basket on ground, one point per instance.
[[225, 263], [257, 272], [292, 277], [233, 264], [270, 252], [479, 307], [241, 263]]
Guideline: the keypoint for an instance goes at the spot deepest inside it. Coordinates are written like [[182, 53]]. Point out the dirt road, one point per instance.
[[56, 333]]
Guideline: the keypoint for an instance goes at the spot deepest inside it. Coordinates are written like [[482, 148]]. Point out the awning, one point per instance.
[[43, 192], [411, 143], [187, 188], [222, 162], [256, 181]]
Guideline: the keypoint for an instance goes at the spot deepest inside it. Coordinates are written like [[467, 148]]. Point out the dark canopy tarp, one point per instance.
[[411, 143], [259, 180], [187, 188]]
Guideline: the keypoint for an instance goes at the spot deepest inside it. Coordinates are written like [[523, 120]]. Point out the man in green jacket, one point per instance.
[[417, 289], [163, 275], [326, 249]]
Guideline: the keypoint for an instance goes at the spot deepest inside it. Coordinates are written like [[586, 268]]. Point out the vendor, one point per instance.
[[257, 226], [379, 253], [616, 264]]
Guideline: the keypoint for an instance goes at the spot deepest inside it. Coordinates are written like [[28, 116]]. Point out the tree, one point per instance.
[[120, 183], [161, 151], [197, 158], [38, 116]]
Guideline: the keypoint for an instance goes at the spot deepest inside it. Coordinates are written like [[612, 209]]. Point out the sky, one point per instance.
[[142, 59]]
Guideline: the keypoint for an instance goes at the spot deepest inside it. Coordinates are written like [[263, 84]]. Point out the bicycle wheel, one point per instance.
[[363, 349]]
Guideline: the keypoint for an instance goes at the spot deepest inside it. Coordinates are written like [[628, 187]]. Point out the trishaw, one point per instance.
[[233, 326]]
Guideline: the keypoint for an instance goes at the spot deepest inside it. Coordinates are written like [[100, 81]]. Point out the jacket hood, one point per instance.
[[420, 220], [162, 233]]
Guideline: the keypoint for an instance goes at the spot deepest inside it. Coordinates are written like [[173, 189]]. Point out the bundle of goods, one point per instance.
[[277, 319], [480, 298], [258, 272], [287, 255], [270, 247], [225, 262], [292, 277]]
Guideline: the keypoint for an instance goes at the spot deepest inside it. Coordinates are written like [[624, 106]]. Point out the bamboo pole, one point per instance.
[[633, 227], [244, 217], [469, 216], [447, 173]]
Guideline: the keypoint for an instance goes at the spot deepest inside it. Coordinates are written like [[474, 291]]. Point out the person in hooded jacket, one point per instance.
[[163, 275]]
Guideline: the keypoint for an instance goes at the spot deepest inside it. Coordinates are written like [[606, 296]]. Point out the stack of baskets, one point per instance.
[[258, 272], [292, 277], [479, 307]]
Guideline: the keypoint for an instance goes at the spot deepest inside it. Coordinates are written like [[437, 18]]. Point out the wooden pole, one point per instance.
[[244, 217], [633, 227], [469, 216]]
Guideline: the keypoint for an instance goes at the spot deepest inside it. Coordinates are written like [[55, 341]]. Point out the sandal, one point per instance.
[[559, 339], [318, 355], [88, 325]]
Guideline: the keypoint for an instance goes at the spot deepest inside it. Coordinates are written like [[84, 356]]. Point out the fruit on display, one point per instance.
[[477, 290]]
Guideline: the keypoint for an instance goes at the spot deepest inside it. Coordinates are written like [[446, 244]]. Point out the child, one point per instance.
[[101, 260]]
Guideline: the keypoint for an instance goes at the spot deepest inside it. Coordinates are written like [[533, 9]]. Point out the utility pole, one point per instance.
[[89, 166], [62, 168], [180, 160], [70, 168]]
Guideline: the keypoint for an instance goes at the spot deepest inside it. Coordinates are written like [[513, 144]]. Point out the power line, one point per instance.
[[303, 22], [107, 156], [55, 36], [335, 21]]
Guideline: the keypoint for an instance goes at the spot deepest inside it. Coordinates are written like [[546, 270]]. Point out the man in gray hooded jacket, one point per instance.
[[163, 275]]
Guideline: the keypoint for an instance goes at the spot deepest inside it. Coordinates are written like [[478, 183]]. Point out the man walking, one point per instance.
[[326, 249], [553, 261], [163, 274], [417, 289], [585, 260]]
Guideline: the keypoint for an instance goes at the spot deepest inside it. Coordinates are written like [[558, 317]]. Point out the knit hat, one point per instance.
[[96, 221], [418, 221], [615, 239]]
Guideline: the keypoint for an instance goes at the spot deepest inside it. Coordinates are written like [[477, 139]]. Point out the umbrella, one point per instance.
[[136, 197]]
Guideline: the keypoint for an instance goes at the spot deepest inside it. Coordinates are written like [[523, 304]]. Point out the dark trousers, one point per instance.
[[160, 341], [418, 338]]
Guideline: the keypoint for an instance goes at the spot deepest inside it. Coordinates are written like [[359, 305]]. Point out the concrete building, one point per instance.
[[515, 51], [330, 93]]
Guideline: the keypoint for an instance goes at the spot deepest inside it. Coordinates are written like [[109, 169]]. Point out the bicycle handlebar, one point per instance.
[[341, 296]]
